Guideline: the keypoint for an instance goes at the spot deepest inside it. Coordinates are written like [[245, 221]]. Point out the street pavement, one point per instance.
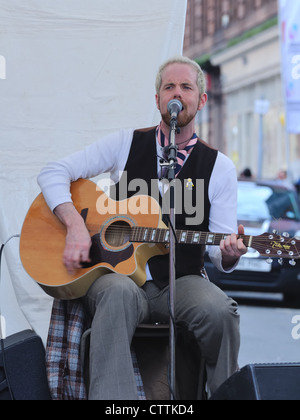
[[270, 331]]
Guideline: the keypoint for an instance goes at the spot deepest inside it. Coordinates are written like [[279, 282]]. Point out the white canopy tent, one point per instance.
[[71, 71]]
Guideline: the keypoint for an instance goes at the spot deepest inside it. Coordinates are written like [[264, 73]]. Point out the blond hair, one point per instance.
[[201, 81]]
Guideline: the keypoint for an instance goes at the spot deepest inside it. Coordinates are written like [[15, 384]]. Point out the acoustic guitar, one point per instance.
[[125, 235]]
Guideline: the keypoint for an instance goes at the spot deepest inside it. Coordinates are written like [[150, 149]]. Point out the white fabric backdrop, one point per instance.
[[74, 70]]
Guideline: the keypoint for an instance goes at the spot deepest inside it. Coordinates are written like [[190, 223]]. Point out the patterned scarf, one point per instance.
[[181, 154]]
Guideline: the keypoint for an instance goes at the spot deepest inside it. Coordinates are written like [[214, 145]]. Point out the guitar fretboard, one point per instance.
[[156, 235]]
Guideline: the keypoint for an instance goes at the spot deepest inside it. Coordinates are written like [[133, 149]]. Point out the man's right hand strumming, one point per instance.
[[78, 240]]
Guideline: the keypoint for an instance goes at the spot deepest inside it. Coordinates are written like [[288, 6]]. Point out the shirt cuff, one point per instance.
[[215, 256]]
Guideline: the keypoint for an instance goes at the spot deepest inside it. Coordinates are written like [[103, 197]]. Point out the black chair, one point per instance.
[[151, 346]]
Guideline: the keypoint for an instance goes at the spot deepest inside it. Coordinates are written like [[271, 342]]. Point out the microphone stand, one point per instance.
[[171, 165]]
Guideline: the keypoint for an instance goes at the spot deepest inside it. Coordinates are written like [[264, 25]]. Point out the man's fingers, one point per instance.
[[232, 246], [241, 230], [74, 257]]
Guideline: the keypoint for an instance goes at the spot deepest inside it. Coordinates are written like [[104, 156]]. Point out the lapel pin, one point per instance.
[[189, 184]]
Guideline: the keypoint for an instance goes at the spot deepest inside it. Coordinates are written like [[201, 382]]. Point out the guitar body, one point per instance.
[[43, 240]]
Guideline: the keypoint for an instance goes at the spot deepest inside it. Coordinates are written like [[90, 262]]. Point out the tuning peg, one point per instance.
[[293, 263], [269, 261], [280, 261], [286, 235]]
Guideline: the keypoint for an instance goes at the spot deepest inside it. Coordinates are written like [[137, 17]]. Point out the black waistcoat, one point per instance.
[[142, 164]]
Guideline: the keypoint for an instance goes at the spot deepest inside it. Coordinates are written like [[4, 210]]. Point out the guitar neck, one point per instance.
[[152, 235]]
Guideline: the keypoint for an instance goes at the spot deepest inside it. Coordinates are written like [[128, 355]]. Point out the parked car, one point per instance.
[[266, 207]]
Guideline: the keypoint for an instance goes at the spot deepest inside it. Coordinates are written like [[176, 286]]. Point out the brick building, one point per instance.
[[213, 24], [237, 43]]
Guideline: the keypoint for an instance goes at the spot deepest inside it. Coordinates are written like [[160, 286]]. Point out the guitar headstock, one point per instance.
[[277, 246]]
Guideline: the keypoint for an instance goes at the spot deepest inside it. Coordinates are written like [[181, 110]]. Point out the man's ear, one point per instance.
[[157, 101], [202, 101]]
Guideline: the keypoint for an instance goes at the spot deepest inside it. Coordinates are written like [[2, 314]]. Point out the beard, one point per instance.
[[183, 119]]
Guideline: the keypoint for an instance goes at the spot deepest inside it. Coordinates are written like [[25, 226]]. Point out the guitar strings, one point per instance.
[[135, 229], [116, 231]]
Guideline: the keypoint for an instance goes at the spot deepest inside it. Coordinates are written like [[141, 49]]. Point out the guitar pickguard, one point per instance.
[[98, 254]]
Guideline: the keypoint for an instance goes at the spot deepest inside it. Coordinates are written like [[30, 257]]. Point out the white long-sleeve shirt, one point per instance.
[[109, 155]]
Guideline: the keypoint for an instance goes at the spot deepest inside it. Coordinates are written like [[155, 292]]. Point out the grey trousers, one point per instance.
[[117, 306]]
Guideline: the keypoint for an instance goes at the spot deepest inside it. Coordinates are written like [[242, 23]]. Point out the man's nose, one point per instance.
[[177, 93]]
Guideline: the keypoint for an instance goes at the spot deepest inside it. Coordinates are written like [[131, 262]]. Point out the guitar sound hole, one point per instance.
[[118, 234]]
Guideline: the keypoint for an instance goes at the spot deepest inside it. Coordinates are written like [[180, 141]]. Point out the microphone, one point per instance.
[[174, 107]]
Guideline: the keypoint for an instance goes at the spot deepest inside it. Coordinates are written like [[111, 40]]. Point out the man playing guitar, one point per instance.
[[116, 303]]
